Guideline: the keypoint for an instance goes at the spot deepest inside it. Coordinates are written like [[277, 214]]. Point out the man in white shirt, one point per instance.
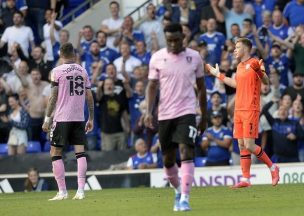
[[112, 25], [18, 33], [153, 30], [49, 15], [127, 62]]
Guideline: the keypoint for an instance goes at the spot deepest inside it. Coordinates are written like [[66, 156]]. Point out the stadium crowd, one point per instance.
[[116, 57]]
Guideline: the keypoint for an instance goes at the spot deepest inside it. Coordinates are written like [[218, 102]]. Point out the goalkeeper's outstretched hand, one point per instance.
[[214, 71]]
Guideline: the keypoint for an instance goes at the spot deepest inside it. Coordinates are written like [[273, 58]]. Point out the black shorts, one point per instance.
[[72, 133], [181, 130]]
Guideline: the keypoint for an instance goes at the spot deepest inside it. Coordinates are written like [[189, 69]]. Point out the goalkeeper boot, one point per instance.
[[275, 175]]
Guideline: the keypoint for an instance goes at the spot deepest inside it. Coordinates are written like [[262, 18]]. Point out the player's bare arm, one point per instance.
[[150, 98], [216, 72], [90, 101], [50, 108], [203, 102]]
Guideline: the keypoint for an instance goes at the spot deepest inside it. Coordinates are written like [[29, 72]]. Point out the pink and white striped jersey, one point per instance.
[[177, 76], [72, 80]]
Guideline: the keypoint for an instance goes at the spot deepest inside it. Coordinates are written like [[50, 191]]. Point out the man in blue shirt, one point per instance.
[[217, 140], [293, 13], [215, 42], [105, 51]]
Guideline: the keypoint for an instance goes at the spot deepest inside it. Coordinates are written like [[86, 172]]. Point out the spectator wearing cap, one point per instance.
[[297, 87], [280, 62], [215, 42], [216, 105], [217, 141]]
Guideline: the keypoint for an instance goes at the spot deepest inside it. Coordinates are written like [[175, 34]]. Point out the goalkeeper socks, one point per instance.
[[59, 173], [245, 161], [81, 170], [172, 176], [187, 169], [262, 156]]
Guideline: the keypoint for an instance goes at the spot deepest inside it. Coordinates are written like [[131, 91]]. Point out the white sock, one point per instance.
[[184, 197], [272, 168], [63, 192], [80, 191], [177, 190], [243, 179]]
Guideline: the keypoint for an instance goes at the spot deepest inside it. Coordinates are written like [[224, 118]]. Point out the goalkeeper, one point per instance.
[[249, 75]]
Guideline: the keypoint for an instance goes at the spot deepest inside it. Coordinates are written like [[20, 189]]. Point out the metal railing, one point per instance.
[[71, 16]]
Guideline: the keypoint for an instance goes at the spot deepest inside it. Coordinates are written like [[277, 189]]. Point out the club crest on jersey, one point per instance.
[[247, 66], [189, 59]]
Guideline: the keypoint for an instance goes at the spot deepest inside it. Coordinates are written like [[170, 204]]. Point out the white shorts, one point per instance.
[[17, 137]]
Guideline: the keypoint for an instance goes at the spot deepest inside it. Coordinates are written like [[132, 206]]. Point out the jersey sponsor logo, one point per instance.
[[189, 59]]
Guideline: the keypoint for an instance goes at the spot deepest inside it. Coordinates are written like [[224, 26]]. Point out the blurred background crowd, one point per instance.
[[116, 57]]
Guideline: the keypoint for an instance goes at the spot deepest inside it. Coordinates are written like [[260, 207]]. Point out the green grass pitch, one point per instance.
[[258, 200]]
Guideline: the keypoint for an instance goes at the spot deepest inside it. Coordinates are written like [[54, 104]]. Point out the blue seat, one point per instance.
[[33, 147], [200, 161], [3, 149], [47, 146]]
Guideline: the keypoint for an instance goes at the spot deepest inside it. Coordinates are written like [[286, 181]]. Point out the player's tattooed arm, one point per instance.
[[52, 101], [90, 101]]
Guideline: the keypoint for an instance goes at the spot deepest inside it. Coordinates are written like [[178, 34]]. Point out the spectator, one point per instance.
[[50, 18], [217, 140], [276, 87], [90, 58], [143, 159], [21, 77], [111, 107], [36, 104], [85, 38], [235, 15], [64, 37], [35, 16], [105, 51], [216, 105], [213, 11], [37, 61], [128, 34], [184, 15], [141, 52], [279, 61], [18, 33], [279, 28], [34, 182], [293, 11], [112, 25], [297, 87], [248, 33], [4, 126], [215, 41], [153, 30], [260, 6], [285, 133], [126, 62], [297, 47], [7, 13], [19, 120]]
